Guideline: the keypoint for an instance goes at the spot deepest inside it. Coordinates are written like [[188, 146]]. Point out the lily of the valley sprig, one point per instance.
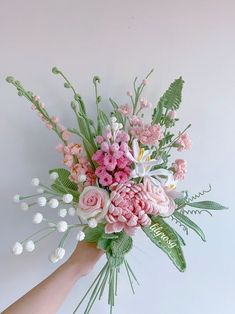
[[118, 179]]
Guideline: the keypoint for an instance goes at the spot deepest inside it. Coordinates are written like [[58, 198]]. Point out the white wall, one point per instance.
[[118, 40]]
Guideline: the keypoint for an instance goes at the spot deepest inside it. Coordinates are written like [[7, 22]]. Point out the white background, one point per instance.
[[118, 40]]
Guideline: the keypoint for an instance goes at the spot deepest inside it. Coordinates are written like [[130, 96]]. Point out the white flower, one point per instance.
[[92, 223], [53, 203], [40, 190], [62, 212], [35, 182], [54, 176], [81, 178], [37, 218], [144, 165], [115, 126], [80, 236], [17, 248], [24, 206], [113, 119], [62, 226], [59, 252], [42, 201], [52, 258], [72, 211], [67, 198], [16, 198], [29, 246]]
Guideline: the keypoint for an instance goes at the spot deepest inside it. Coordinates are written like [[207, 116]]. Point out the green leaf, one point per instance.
[[189, 223], [121, 245], [157, 113], [63, 185], [115, 261], [92, 235], [207, 205], [171, 99], [103, 244], [162, 235]]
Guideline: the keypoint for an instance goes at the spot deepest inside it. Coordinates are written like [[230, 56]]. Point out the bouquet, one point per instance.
[[118, 178]]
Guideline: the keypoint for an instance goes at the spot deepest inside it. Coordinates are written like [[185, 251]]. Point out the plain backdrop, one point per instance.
[[118, 40]]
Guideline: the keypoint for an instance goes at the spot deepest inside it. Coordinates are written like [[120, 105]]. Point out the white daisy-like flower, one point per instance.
[[24, 206], [67, 198], [72, 211], [92, 223], [59, 252], [40, 190], [29, 246], [42, 201], [81, 178], [80, 236], [52, 258], [62, 212], [37, 218], [62, 226], [16, 198], [53, 203], [17, 248], [54, 175], [35, 182]]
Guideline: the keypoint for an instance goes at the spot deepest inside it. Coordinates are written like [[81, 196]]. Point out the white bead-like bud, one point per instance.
[[16, 198], [67, 198], [80, 236], [81, 178], [115, 126], [29, 246], [42, 201], [72, 211], [62, 226], [52, 258], [113, 119], [62, 212], [120, 126], [17, 248], [37, 218], [24, 206], [40, 190], [35, 182], [92, 223], [53, 203], [59, 252], [54, 176]]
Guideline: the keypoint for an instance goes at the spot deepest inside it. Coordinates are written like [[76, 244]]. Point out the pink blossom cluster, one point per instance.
[[180, 167], [54, 120], [147, 134], [184, 142], [126, 110], [113, 165], [78, 164], [129, 208]]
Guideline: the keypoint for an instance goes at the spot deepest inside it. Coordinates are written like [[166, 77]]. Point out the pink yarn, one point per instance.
[[184, 141], [126, 110], [147, 134], [129, 208], [180, 167]]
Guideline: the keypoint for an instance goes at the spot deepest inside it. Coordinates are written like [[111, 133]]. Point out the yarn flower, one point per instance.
[[147, 134]]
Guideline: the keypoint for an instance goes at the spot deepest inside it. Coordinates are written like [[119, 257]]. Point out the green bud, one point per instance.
[[55, 70], [99, 99], [77, 97], [67, 85], [10, 79], [96, 79], [73, 105]]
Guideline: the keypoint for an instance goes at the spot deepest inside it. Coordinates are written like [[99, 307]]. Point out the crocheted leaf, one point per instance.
[[157, 113], [63, 185], [121, 245], [171, 99], [115, 261], [207, 205], [103, 244], [162, 235], [93, 235], [189, 223]]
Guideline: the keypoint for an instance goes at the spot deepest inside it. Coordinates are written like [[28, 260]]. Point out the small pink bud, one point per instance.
[[145, 82], [55, 119], [60, 148], [129, 93], [42, 105], [99, 139], [172, 114], [105, 147]]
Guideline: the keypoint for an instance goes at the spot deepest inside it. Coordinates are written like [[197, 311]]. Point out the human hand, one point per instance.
[[84, 257]]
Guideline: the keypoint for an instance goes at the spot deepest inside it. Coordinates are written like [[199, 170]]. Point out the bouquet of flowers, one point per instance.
[[118, 179]]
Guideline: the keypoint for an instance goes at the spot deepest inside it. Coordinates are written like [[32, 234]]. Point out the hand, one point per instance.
[[84, 257]]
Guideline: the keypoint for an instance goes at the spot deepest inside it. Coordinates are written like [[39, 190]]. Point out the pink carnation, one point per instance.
[[184, 141], [126, 110], [180, 167], [129, 208], [147, 134]]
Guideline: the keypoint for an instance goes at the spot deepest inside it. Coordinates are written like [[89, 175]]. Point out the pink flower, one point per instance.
[[126, 110], [100, 171], [55, 119], [129, 93], [110, 162], [98, 157], [122, 136], [120, 176], [129, 208], [105, 147], [147, 134], [76, 149], [105, 179], [66, 135], [122, 162], [184, 141], [144, 103], [60, 148], [180, 167], [68, 160], [172, 114], [93, 202], [161, 202], [99, 139], [135, 121]]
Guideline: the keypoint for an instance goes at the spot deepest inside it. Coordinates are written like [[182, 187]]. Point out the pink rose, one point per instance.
[[93, 202], [162, 202]]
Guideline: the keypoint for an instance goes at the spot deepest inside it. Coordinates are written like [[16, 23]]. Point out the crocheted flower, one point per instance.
[[129, 208], [180, 167], [147, 134], [184, 142]]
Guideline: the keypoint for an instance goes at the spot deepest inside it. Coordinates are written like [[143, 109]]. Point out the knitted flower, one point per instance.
[[147, 134], [93, 202], [129, 208], [180, 167], [184, 142]]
